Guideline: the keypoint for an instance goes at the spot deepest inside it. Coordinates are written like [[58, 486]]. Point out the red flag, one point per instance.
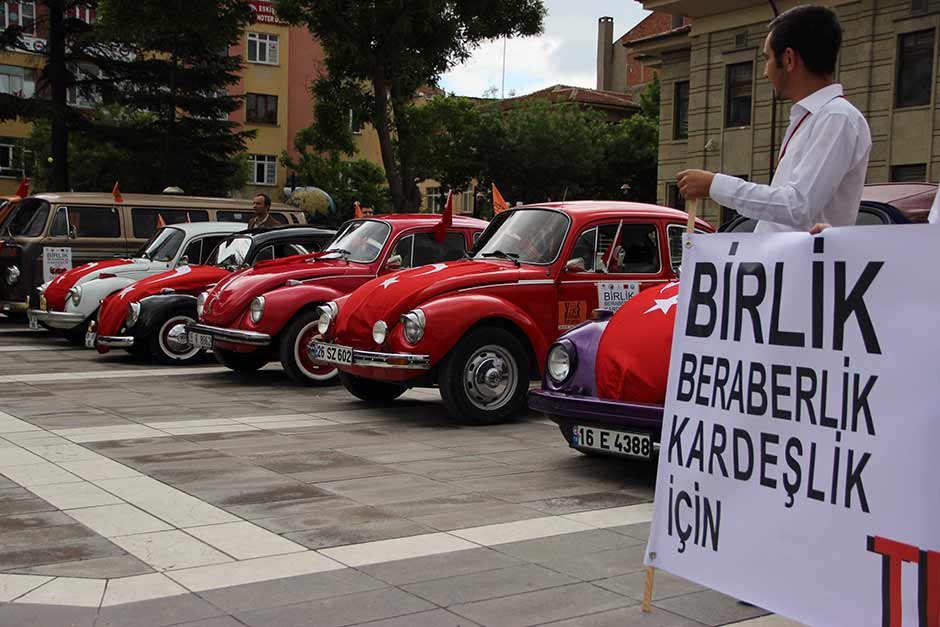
[[610, 257], [23, 190], [187, 218], [633, 354], [116, 192], [447, 218], [358, 207], [499, 203], [160, 221]]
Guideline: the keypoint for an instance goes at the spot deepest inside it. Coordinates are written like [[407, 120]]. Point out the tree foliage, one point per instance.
[[378, 53]]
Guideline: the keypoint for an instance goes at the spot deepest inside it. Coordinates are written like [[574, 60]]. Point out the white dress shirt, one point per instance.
[[934, 217], [820, 176]]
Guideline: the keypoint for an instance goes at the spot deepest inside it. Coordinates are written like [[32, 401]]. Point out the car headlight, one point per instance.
[[201, 303], [328, 313], [13, 275], [43, 303], [76, 295], [256, 310], [562, 358], [414, 322], [133, 315], [379, 331]]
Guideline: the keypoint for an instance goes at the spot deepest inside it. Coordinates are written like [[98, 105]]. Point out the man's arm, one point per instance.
[[795, 202]]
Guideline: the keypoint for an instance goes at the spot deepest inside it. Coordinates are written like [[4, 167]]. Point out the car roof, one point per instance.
[[168, 201], [199, 228], [407, 220], [583, 210], [911, 199], [287, 231]]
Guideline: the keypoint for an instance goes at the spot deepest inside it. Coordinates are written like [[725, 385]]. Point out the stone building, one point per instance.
[[716, 110]]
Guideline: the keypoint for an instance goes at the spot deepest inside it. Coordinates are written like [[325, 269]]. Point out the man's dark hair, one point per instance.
[[267, 199], [813, 32]]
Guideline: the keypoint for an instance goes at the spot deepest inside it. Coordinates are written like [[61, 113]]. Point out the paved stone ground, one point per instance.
[[132, 494]]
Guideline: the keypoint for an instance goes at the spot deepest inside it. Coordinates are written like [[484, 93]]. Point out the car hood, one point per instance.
[[183, 280], [388, 297], [232, 295], [57, 290]]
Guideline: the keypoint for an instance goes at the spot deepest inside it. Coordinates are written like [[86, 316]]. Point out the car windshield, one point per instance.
[[231, 252], [360, 241], [164, 245], [29, 219], [526, 235]]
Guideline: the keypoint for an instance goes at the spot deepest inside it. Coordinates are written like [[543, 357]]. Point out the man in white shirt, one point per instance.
[[824, 157]]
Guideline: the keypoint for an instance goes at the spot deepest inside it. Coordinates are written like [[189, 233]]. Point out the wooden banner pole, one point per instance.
[[693, 211], [648, 589]]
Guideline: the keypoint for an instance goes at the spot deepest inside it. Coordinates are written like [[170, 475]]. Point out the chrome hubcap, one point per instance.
[[176, 338], [174, 341], [490, 377]]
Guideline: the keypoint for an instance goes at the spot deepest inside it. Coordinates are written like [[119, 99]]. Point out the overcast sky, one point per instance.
[[565, 53]]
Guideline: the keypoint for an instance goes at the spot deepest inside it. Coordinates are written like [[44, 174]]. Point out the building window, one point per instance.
[[673, 198], [738, 94], [85, 13], [918, 6], [434, 200], [6, 159], [263, 48], [263, 169], [680, 115], [18, 81], [915, 69], [915, 173], [261, 109], [84, 96], [22, 14]]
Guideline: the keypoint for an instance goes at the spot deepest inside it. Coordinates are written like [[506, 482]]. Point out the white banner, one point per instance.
[[799, 467], [55, 261]]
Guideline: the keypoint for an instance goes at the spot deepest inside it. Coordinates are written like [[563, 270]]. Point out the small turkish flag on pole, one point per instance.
[[23, 190], [187, 218], [358, 213], [499, 203], [447, 218], [160, 221], [116, 192]]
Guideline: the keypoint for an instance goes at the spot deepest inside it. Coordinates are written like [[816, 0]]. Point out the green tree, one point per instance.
[[649, 98], [379, 52]]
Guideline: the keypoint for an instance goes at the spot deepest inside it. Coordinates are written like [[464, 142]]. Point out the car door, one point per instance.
[[608, 264]]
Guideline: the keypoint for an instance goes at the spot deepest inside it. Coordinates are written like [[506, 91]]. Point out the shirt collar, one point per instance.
[[815, 101]]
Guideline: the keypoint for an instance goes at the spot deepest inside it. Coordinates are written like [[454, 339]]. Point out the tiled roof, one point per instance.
[[582, 95], [669, 33]]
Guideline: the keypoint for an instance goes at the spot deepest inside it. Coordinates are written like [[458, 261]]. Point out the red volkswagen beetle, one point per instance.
[[269, 312], [480, 329]]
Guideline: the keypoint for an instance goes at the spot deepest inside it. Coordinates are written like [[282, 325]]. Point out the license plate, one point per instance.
[[33, 323], [201, 340], [619, 442], [90, 339], [332, 353]]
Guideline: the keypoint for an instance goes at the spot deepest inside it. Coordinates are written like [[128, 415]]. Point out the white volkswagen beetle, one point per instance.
[[70, 300]]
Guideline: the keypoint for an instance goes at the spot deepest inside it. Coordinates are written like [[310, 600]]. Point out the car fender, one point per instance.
[[95, 291], [154, 309], [448, 321], [281, 305]]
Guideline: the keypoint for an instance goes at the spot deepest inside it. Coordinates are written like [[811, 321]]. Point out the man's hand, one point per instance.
[[819, 227], [695, 184]]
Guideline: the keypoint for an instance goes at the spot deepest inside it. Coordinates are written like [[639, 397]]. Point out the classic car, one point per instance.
[[69, 301], [270, 311], [606, 380], [149, 316], [480, 328]]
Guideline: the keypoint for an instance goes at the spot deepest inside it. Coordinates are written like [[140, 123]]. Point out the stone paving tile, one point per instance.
[[434, 618], [600, 564], [627, 617], [563, 545], [709, 607], [100, 568], [342, 534], [541, 606], [158, 612], [19, 522], [583, 502], [384, 490], [26, 505], [219, 621], [664, 585], [345, 610], [476, 515], [290, 591], [66, 552], [14, 614], [327, 514], [640, 531], [44, 536], [488, 585], [401, 572]]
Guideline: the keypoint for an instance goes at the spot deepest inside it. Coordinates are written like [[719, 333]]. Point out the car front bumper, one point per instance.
[[567, 410], [114, 341], [57, 319], [402, 361], [232, 336]]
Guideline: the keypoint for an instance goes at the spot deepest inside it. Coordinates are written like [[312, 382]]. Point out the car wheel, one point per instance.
[[169, 343], [240, 362], [370, 389], [293, 351], [485, 379]]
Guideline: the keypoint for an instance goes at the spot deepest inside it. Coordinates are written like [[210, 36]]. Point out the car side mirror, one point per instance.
[[393, 263], [575, 264], [184, 261], [73, 232]]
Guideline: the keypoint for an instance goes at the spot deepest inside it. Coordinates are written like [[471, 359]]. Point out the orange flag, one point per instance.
[[358, 210], [116, 192], [23, 190], [447, 218], [499, 204], [160, 221]]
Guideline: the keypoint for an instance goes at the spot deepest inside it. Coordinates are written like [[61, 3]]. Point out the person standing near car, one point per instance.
[[824, 157], [262, 218]]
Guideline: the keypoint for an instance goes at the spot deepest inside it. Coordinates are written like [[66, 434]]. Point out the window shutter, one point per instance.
[[273, 49], [270, 174]]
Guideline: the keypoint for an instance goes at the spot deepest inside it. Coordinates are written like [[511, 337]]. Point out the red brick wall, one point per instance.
[[654, 24]]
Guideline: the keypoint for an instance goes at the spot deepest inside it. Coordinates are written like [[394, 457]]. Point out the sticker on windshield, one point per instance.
[[612, 296], [571, 313], [55, 261]]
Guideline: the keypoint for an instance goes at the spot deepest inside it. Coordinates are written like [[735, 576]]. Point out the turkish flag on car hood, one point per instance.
[[633, 356]]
